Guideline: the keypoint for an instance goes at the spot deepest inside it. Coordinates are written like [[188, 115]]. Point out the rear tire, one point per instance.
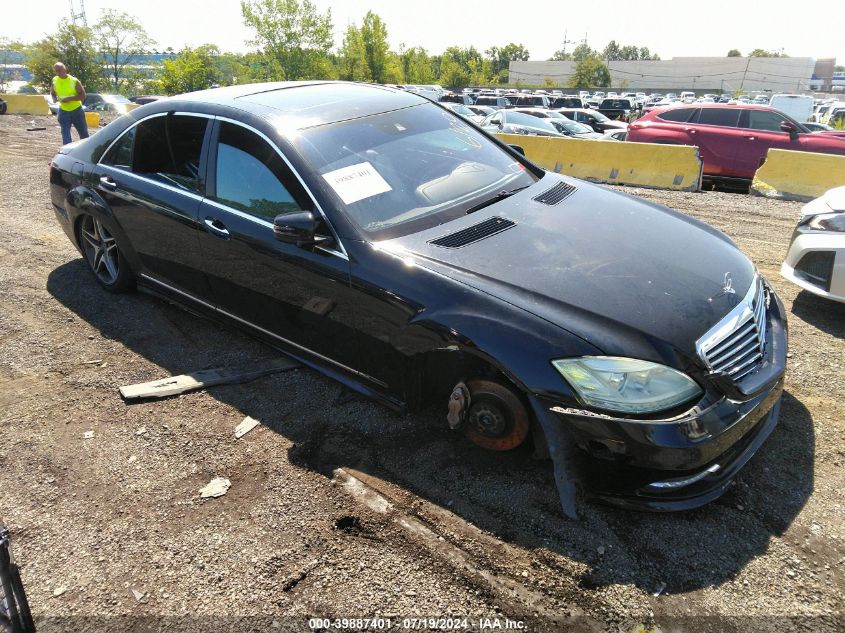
[[104, 255]]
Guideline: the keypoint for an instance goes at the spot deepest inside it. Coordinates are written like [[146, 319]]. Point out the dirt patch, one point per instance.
[[122, 511]]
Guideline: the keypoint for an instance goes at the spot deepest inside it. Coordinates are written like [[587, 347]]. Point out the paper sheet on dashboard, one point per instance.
[[356, 182]]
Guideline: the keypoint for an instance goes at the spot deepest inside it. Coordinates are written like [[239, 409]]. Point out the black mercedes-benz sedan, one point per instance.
[[382, 240]]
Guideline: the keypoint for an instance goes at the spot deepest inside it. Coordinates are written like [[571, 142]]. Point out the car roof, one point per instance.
[[304, 104]]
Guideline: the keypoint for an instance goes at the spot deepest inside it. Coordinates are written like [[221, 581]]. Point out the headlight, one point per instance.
[[626, 384], [825, 222]]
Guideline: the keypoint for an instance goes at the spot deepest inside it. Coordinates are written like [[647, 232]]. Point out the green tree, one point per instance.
[[734, 52], [417, 66], [560, 56], [590, 72], [501, 58], [452, 73], [612, 51], [293, 35], [352, 58], [376, 48], [647, 54], [121, 40], [629, 53], [759, 52], [71, 44], [583, 51], [192, 69]]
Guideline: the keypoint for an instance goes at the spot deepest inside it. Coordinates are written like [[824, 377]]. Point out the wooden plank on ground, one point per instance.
[[175, 385]]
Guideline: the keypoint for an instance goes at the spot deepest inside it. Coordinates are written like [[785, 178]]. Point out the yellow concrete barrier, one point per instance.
[[131, 106], [639, 164], [802, 176], [25, 104]]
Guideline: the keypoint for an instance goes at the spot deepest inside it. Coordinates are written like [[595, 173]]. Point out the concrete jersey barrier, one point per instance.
[[650, 165], [25, 104], [802, 176]]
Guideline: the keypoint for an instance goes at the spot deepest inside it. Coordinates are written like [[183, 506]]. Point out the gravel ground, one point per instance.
[[111, 533]]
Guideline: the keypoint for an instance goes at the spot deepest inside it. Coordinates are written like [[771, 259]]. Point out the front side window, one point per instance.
[[400, 172], [764, 120], [251, 176], [163, 148]]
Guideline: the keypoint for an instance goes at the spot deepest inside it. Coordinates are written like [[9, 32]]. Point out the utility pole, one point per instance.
[[78, 15], [566, 41], [747, 64]]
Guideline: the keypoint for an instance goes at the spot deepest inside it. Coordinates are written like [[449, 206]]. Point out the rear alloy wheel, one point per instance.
[[497, 419], [103, 255]]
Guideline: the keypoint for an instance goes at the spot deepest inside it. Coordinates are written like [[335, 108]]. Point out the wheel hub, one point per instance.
[[497, 419]]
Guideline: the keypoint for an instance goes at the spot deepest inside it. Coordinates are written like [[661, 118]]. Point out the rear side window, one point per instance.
[[251, 176], [726, 117], [677, 115], [166, 149]]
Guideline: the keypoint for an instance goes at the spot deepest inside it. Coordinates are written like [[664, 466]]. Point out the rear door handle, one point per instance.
[[216, 227], [751, 138], [107, 183]]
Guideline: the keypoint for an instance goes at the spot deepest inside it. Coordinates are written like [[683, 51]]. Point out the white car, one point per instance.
[[816, 257]]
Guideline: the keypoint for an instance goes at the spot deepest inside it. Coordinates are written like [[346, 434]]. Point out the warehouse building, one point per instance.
[[701, 74]]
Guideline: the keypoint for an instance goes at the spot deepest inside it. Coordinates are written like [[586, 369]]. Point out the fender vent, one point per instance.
[[557, 193], [474, 233]]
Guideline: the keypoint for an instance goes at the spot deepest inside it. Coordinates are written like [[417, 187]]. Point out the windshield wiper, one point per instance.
[[499, 196]]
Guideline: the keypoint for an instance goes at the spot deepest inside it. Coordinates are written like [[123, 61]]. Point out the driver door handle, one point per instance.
[[751, 138], [216, 227], [107, 183]]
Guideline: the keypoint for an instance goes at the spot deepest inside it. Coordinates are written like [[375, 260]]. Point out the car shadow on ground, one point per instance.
[[825, 314], [509, 495]]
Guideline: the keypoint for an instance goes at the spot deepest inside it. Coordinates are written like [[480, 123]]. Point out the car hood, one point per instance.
[[616, 125], [835, 198], [625, 275]]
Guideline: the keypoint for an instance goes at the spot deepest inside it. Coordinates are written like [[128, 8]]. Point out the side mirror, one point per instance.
[[517, 149], [788, 127], [297, 228]]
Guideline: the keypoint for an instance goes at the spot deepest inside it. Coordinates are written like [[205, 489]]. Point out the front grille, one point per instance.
[[557, 193], [739, 344], [476, 232], [816, 267]]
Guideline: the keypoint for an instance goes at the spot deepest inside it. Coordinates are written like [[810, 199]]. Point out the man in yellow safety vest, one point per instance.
[[70, 94]]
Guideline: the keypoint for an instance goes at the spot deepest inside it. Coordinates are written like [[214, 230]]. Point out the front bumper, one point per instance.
[[689, 460], [800, 269]]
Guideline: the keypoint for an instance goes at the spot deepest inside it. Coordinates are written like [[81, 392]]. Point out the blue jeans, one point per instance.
[[76, 118]]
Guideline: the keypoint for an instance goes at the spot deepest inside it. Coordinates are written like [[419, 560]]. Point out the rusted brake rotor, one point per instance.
[[497, 419]]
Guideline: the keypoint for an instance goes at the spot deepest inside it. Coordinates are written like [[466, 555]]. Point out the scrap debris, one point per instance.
[[88, 435], [245, 427], [175, 385], [217, 487]]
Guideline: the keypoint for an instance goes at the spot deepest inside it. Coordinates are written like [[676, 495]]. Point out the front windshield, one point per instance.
[[570, 126], [460, 109], [520, 118], [116, 99], [599, 116], [404, 171]]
